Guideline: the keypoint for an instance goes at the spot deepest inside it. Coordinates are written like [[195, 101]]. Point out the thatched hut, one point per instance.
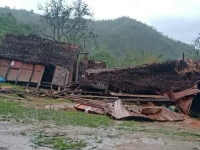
[[31, 59]]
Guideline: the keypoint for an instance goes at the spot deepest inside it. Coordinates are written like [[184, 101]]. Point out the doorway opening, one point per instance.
[[48, 74]]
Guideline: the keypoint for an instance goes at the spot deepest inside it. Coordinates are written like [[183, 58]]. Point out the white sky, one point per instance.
[[147, 11]]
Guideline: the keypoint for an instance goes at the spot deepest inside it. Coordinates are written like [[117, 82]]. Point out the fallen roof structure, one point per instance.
[[177, 75]]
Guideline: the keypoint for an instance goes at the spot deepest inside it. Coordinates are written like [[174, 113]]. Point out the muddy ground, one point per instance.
[[147, 136]]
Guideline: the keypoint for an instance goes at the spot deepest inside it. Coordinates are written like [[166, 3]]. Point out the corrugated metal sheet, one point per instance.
[[93, 106], [119, 111], [166, 115], [185, 104], [90, 109]]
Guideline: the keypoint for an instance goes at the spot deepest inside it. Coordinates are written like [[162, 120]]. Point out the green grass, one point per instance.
[[167, 132], [17, 87], [12, 110], [128, 123], [59, 143]]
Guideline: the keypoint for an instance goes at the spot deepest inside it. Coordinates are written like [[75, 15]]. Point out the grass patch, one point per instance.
[[167, 132], [128, 123], [187, 134], [59, 143], [55, 101], [17, 87], [13, 110]]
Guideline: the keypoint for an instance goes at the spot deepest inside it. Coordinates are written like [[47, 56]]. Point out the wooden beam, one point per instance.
[[39, 83], [137, 95], [92, 96], [28, 84], [18, 74], [147, 100], [8, 70]]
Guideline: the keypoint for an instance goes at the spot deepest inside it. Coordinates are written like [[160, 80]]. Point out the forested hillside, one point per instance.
[[123, 35], [9, 24], [123, 39]]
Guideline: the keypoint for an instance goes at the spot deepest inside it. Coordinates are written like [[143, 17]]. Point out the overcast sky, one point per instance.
[[178, 19]]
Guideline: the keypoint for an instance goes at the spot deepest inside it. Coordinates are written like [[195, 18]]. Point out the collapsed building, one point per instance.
[[172, 83]]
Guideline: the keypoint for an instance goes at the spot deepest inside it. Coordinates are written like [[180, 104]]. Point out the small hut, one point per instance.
[[34, 60]]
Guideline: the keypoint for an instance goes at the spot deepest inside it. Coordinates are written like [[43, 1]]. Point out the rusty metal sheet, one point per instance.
[[184, 104], [12, 74], [90, 109], [24, 75], [119, 111], [166, 115]]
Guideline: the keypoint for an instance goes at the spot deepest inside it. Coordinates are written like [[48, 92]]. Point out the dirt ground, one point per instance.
[[110, 138], [142, 135]]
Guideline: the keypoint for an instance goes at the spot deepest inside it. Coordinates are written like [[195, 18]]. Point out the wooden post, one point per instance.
[[65, 78], [39, 83], [30, 77], [18, 74], [183, 57], [77, 65], [8, 70]]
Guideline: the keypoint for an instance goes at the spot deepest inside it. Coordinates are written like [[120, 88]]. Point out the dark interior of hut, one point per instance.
[[48, 74], [195, 106]]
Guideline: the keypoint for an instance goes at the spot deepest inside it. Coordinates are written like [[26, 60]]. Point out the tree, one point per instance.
[[195, 51], [63, 22], [105, 57], [138, 58], [8, 24]]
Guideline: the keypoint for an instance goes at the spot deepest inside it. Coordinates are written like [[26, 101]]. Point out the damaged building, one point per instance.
[[173, 85], [33, 60]]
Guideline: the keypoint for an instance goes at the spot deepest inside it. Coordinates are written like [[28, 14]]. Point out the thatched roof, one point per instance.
[[148, 79], [33, 49]]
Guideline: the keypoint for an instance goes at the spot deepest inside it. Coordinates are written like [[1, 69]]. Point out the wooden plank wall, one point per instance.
[[16, 70]]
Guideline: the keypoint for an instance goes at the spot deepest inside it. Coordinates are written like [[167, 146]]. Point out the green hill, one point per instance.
[[120, 37], [123, 35]]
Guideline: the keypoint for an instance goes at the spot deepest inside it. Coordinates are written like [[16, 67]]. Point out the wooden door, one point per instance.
[[61, 76]]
